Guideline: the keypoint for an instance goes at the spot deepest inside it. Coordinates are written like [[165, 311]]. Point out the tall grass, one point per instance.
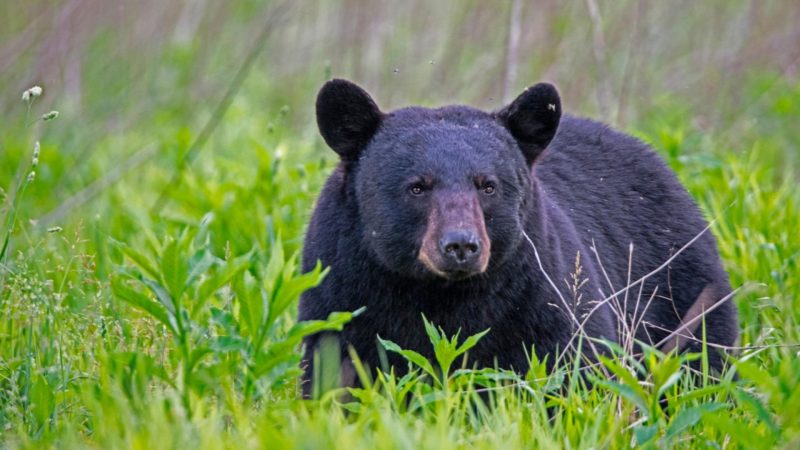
[[124, 328]]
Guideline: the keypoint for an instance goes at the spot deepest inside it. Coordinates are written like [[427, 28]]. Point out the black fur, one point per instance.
[[592, 186]]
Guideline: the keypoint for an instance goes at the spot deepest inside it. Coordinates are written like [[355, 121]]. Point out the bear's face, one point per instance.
[[440, 192]]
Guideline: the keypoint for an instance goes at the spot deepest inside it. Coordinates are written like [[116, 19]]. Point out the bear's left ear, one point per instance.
[[533, 119], [347, 117]]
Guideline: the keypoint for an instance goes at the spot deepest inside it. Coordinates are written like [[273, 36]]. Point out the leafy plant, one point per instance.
[[445, 350], [226, 317]]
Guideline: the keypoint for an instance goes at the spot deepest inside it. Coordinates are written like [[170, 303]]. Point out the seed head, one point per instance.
[[31, 176], [36, 149], [31, 93], [50, 116]]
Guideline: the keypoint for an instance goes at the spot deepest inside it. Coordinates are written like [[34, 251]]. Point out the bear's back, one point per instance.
[[615, 187], [631, 214]]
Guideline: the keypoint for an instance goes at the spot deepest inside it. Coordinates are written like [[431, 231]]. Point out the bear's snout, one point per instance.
[[456, 244], [460, 247]]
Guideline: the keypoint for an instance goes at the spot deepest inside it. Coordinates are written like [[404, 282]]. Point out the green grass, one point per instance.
[[121, 327]]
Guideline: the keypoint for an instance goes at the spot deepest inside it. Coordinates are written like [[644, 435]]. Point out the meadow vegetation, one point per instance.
[[148, 284]]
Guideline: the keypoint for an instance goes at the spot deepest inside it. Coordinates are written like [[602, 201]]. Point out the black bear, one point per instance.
[[535, 225]]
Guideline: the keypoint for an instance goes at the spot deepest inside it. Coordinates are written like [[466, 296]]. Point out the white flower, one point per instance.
[[31, 93], [50, 116]]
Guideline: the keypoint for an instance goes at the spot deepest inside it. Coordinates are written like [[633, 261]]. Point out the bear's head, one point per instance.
[[440, 192]]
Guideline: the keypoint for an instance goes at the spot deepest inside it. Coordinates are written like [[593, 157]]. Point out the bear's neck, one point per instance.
[[545, 228]]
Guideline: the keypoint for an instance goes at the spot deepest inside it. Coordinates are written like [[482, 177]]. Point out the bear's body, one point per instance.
[[386, 243]]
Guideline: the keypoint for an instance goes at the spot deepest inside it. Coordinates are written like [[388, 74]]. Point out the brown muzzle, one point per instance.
[[455, 244]]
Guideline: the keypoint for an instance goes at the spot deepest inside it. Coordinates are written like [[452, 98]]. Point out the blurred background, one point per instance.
[[120, 67], [126, 60], [167, 107]]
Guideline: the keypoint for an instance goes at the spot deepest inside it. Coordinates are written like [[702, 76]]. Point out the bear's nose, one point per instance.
[[460, 246]]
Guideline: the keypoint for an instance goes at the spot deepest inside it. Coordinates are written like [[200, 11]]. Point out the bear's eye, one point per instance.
[[488, 188], [416, 189]]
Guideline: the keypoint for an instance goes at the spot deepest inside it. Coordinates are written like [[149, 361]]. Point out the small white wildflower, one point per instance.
[[54, 229], [50, 116], [31, 176], [31, 93], [36, 149]]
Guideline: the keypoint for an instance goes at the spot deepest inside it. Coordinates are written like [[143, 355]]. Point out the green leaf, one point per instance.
[[225, 344], [174, 269], [142, 261], [743, 433], [272, 274], [143, 303], [754, 404], [199, 264], [686, 418], [471, 341], [42, 400], [645, 433], [197, 355], [161, 294], [251, 304], [625, 391], [670, 381], [291, 289], [411, 356], [223, 276], [280, 351]]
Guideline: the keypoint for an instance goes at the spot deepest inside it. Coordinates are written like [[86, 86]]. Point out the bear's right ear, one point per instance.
[[347, 117]]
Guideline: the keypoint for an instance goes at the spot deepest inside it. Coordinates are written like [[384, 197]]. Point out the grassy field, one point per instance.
[[150, 229]]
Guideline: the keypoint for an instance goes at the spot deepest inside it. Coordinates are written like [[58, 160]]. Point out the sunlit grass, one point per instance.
[[120, 328]]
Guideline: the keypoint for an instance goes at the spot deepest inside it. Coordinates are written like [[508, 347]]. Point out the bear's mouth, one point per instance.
[[458, 275], [451, 271]]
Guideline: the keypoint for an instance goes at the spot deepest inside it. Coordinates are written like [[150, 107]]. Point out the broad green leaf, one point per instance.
[[174, 269]]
